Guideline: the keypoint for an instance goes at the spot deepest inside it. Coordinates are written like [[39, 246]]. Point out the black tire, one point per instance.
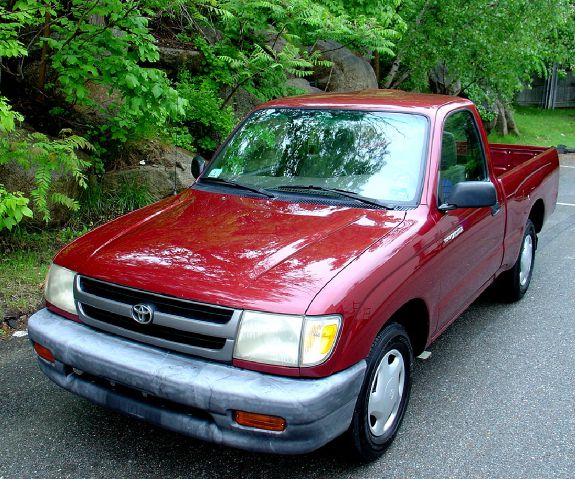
[[369, 436], [512, 285]]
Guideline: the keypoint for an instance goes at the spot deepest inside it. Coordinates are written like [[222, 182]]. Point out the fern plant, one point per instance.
[[263, 42], [35, 151], [47, 158]]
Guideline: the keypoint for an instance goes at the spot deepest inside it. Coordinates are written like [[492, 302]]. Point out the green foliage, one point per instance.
[[483, 101], [35, 151], [378, 20], [47, 158], [257, 44], [181, 136], [206, 121], [111, 55], [494, 46], [8, 117], [97, 64], [10, 46], [99, 54], [12, 21], [13, 208]]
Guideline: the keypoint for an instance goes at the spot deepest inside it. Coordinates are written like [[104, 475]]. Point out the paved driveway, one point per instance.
[[495, 400]]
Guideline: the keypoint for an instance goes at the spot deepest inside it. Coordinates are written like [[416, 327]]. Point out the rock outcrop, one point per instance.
[[176, 58], [303, 84], [349, 71], [167, 171]]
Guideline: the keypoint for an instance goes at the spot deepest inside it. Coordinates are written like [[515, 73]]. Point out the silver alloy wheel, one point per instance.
[[526, 260], [386, 391]]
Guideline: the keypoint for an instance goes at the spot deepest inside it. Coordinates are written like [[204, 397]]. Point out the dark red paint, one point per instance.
[[296, 258]]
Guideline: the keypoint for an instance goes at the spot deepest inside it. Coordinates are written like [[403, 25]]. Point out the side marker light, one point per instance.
[[260, 421], [44, 352]]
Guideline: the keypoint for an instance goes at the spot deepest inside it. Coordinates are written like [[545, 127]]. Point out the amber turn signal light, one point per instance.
[[44, 352], [260, 421]]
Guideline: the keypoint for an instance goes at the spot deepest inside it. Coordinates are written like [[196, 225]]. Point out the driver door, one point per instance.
[[470, 239]]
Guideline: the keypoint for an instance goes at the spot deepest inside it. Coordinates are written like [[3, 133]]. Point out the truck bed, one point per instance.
[[530, 178], [507, 157]]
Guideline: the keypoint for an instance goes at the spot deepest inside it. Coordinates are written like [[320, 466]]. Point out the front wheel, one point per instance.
[[513, 284], [384, 395]]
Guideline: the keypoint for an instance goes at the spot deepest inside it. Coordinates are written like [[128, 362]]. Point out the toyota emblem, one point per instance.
[[143, 313]]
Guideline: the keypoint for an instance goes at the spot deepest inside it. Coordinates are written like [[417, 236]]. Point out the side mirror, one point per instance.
[[198, 165], [471, 194]]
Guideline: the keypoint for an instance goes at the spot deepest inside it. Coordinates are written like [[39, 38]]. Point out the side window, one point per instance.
[[462, 157]]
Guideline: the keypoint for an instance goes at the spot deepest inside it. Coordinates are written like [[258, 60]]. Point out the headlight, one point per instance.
[[286, 340], [59, 289]]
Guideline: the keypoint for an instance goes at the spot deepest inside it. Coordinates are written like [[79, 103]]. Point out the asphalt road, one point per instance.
[[495, 400]]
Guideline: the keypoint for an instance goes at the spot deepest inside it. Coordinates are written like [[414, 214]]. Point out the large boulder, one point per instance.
[[302, 84], [179, 161], [242, 101], [177, 58], [349, 72], [274, 40], [161, 173]]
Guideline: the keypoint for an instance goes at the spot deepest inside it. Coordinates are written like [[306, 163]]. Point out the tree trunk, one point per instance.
[[510, 118], [501, 124], [505, 124], [99, 20], [440, 81], [377, 66], [44, 58], [392, 72]]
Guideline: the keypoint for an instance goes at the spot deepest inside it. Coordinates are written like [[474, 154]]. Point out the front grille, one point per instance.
[[169, 334], [181, 325], [165, 304]]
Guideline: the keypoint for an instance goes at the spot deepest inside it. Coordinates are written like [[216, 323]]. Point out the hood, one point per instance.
[[230, 250]]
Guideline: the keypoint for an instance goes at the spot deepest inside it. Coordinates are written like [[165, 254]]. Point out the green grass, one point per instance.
[[541, 127], [99, 204], [24, 261]]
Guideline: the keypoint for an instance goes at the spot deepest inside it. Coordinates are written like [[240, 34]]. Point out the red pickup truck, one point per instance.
[[279, 302]]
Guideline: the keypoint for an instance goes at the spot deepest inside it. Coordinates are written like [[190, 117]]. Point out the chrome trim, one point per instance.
[[227, 330]]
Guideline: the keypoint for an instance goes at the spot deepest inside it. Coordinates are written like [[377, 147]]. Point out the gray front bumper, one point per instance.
[[316, 410]]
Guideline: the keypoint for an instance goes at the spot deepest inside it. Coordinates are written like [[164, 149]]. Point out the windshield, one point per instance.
[[378, 155]]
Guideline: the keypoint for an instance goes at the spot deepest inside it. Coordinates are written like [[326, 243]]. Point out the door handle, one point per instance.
[[496, 208]]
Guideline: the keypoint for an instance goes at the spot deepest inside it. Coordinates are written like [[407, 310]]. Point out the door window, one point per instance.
[[462, 157]]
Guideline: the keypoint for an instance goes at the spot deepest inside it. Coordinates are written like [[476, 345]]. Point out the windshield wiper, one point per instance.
[[236, 185], [340, 192]]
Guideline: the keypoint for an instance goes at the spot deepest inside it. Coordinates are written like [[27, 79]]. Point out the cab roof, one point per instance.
[[396, 100]]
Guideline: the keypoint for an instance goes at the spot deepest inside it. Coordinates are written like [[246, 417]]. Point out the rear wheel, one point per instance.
[[384, 395], [513, 284]]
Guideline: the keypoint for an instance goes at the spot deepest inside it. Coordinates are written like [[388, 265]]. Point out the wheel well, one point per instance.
[[414, 317], [537, 214]]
